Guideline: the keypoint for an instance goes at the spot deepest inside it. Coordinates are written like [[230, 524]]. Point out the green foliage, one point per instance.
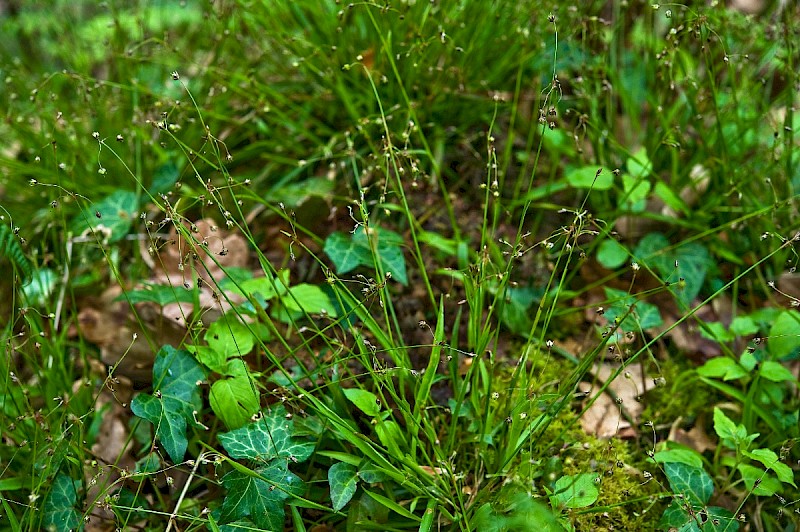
[[110, 219], [343, 480], [382, 247], [172, 408], [630, 314], [270, 437], [59, 506], [575, 491], [260, 494], [685, 265], [425, 370], [10, 248]]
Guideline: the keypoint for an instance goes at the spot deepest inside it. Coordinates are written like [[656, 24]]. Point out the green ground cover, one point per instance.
[[412, 265]]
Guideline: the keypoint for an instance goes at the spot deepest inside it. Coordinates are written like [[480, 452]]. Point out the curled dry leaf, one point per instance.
[[126, 343]]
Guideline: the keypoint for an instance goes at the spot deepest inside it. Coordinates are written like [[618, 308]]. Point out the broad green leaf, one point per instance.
[[639, 163], [611, 254], [693, 482], [176, 397], [670, 198], [267, 287], [575, 491], [743, 326], [717, 332], [343, 480], [720, 520], [775, 371], [644, 315], [371, 473], [758, 481], [116, 211], [514, 307], [390, 435], [692, 260], [592, 177], [297, 192], [748, 361], [345, 254], [784, 335], [164, 178], [724, 367], [41, 286], [771, 461], [724, 426], [160, 294], [270, 437], [233, 398], [229, 336], [59, 506], [366, 401], [636, 192], [389, 251], [310, 299], [683, 456], [211, 358], [260, 500]]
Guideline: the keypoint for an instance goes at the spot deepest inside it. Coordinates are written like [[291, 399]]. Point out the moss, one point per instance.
[[682, 396]]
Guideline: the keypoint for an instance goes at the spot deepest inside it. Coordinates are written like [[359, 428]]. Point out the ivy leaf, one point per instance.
[[260, 499], [390, 252], [148, 465], [233, 398], [644, 315], [693, 482], [343, 480], [176, 398], [160, 294], [117, 212], [371, 473], [59, 506], [270, 437], [345, 254], [693, 261]]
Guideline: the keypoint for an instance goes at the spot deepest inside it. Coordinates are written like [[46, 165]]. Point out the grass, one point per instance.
[[376, 266]]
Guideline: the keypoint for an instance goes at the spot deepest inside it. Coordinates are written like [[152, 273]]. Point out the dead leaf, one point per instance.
[[604, 418], [695, 438]]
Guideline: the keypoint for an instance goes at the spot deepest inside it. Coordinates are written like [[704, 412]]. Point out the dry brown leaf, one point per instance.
[[695, 438], [604, 418]]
